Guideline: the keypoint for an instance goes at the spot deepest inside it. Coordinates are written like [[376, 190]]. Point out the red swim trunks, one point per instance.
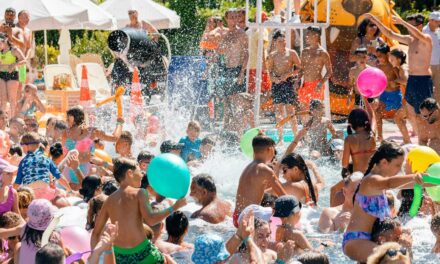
[[266, 84], [235, 217], [308, 92]]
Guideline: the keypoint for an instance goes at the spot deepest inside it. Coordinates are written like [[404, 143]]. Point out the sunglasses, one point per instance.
[[393, 252], [29, 143], [372, 25], [131, 12], [426, 117], [12, 237], [314, 29]]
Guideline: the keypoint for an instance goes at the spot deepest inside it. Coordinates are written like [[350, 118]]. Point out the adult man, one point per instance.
[[15, 34], [336, 218], [234, 48], [429, 128], [257, 177], [281, 65], [314, 58], [135, 23], [419, 85], [23, 22], [432, 30], [204, 192]]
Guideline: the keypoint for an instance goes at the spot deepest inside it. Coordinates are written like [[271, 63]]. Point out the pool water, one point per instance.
[[288, 135]]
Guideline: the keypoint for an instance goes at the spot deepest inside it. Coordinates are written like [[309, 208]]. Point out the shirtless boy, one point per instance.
[[281, 66], [361, 57], [257, 177], [430, 125], [314, 58], [419, 85], [234, 50], [318, 130], [391, 98], [130, 208]]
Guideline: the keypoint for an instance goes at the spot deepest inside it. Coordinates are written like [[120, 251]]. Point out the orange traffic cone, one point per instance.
[[136, 101], [84, 94]]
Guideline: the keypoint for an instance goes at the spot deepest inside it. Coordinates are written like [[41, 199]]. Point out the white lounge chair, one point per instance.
[[96, 78], [52, 70]]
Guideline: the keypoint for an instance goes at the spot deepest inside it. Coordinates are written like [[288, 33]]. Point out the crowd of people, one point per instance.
[[43, 170]]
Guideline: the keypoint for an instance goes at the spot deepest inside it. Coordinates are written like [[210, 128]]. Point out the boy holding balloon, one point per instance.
[[130, 207]]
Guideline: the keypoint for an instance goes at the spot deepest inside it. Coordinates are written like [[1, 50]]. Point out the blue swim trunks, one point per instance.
[[354, 236], [418, 88], [392, 100]]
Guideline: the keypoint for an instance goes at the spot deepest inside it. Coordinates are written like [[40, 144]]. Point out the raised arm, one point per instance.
[[101, 220], [152, 218], [388, 32], [386, 183], [413, 31]]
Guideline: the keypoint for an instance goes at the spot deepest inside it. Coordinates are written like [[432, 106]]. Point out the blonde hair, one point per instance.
[[380, 256], [194, 125]]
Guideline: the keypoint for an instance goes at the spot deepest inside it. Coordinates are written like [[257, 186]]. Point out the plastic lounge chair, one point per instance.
[[96, 78], [91, 57]]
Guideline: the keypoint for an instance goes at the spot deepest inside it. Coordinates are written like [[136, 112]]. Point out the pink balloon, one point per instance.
[[84, 145], [76, 239], [372, 82]]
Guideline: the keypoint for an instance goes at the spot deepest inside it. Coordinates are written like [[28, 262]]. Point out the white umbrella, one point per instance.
[[98, 18], [148, 10]]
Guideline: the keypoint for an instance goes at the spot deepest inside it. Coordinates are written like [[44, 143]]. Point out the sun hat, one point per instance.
[[264, 213], [209, 249], [434, 16], [40, 214], [286, 205], [5, 166]]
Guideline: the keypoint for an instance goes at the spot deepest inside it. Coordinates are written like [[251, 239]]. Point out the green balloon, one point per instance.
[[433, 178], [417, 200], [246, 141]]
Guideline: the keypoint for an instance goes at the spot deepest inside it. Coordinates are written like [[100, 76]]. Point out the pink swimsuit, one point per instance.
[[9, 203]]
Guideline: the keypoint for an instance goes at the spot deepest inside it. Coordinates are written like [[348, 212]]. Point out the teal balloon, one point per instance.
[[169, 176], [246, 141], [433, 178]]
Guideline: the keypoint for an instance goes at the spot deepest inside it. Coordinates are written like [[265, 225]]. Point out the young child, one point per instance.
[[30, 102], [319, 145], [435, 229], [191, 143], [398, 59], [123, 144], [371, 201], [144, 158], [391, 98], [9, 220], [35, 169], [361, 64], [129, 205], [16, 129], [257, 177]]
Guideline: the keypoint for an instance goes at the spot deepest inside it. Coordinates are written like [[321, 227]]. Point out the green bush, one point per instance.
[[52, 55], [93, 42]]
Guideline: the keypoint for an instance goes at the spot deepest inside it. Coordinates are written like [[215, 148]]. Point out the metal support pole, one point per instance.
[[327, 84], [259, 65], [45, 47]]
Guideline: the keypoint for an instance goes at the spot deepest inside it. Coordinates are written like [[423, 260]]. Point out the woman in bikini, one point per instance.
[[367, 37], [80, 137]]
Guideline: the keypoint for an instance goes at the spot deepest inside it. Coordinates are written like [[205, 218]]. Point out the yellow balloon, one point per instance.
[[103, 155], [421, 158]]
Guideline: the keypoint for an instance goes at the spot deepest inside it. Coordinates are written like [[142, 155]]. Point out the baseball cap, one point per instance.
[[337, 144], [5, 166], [264, 213], [40, 213], [435, 16], [209, 249], [286, 205], [168, 145]]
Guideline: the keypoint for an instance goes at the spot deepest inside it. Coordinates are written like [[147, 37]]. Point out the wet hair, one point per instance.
[[313, 257], [176, 225], [95, 205], [314, 104], [262, 142], [268, 200], [380, 227], [429, 104], [56, 150], [126, 136], [110, 187], [384, 49], [207, 141], [400, 54], [15, 149], [10, 220], [194, 125], [144, 155], [205, 181], [406, 202], [32, 236], [388, 150], [435, 224], [77, 112], [278, 34], [314, 29], [358, 118], [361, 50], [295, 160], [362, 28], [121, 166], [60, 125], [50, 253], [419, 18], [88, 187], [145, 183], [25, 197]]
